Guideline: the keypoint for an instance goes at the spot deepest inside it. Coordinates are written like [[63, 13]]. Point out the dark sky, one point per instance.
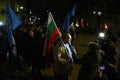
[[60, 7], [110, 6], [55, 6]]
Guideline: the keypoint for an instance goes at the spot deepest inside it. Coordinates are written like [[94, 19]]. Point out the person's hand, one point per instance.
[[74, 50], [69, 61], [112, 66], [99, 73]]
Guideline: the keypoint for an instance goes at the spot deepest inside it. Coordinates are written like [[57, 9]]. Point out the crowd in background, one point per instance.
[[29, 45]]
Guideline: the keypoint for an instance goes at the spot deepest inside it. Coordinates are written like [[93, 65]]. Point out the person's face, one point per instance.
[[69, 39], [31, 33]]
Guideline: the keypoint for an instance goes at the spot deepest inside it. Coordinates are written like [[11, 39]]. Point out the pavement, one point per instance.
[[19, 71]]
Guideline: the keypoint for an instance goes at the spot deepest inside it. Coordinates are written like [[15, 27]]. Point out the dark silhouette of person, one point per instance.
[[90, 63], [4, 49], [37, 57]]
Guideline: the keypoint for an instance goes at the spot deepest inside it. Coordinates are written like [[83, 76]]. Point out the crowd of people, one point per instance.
[[99, 63], [28, 47]]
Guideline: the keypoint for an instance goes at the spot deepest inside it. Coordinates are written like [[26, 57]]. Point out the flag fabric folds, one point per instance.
[[51, 34], [13, 22], [72, 12], [67, 23]]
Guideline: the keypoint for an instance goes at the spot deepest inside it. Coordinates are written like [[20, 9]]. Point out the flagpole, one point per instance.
[[45, 46], [62, 43]]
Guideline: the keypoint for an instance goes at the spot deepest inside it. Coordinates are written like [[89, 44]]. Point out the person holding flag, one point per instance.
[[62, 56], [51, 34], [57, 50]]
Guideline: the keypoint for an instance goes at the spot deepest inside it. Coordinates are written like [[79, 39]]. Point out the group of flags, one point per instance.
[[52, 30]]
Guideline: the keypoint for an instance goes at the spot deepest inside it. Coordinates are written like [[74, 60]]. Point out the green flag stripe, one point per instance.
[[51, 26]]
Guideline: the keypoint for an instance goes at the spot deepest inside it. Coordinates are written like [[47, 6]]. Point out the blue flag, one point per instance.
[[9, 35], [66, 23], [13, 19], [72, 12], [13, 22]]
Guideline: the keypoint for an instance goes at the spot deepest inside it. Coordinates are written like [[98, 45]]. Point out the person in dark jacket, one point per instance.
[[111, 59], [4, 49], [37, 56], [90, 63]]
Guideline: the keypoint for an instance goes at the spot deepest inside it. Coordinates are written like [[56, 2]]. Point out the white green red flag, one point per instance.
[[51, 34]]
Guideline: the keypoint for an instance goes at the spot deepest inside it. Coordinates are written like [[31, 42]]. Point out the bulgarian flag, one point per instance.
[[51, 34]]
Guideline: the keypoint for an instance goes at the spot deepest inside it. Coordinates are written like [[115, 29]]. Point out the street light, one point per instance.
[[94, 12], [99, 13], [21, 7], [1, 23]]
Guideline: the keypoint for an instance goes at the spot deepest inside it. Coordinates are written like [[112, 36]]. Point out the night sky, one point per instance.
[[60, 7], [57, 7]]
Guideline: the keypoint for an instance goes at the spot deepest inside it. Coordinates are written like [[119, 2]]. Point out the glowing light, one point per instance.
[[38, 18], [99, 13], [101, 34], [77, 25], [1, 23], [94, 12], [21, 7], [106, 26]]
